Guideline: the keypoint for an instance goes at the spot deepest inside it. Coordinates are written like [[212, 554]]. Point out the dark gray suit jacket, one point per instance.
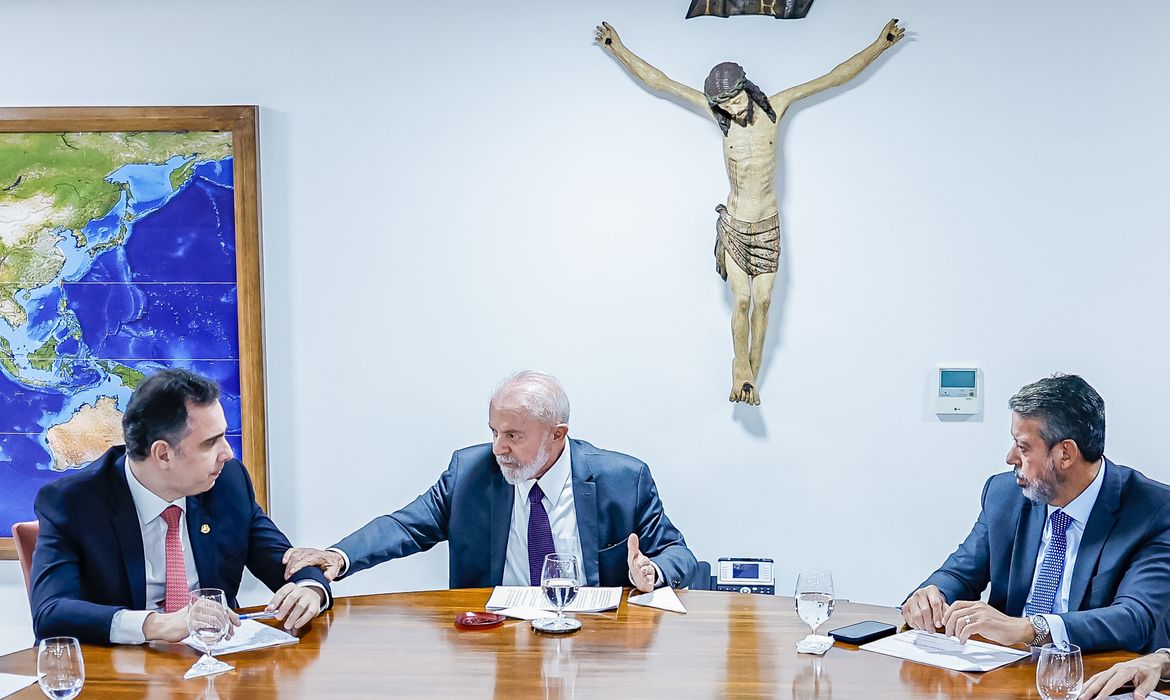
[[471, 507], [1120, 590]]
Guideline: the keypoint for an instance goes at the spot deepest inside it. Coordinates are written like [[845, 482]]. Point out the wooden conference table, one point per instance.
[[406, 645]]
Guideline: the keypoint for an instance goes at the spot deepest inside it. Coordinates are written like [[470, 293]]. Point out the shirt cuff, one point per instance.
[[126, 627], [659, 581], [1057, 630], [309, 583], [1165, 664], [344, 556]]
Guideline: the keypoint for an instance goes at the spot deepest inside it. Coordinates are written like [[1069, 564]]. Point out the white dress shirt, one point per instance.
[[557, 485], [1079, 510], [126, 627]]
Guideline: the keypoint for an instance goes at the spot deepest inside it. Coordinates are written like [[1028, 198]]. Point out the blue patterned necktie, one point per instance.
[[1052, 569], [540, 539]]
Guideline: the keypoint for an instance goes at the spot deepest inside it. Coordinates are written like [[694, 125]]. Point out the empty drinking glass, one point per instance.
[[1060, 672], [60, 668]]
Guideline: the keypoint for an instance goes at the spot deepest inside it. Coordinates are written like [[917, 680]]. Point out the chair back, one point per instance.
[[25, 535]]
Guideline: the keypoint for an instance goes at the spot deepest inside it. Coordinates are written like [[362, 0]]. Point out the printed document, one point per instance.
[[248, 636], [587, 600], [935, 649]]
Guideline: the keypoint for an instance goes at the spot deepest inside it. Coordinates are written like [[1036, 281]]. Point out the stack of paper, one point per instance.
[[935, 649], [505, 598]]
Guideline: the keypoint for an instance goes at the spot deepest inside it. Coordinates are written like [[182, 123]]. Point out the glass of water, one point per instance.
[[1060, 672], [60, 668], [559, 580], [814, 597], [207, 617]]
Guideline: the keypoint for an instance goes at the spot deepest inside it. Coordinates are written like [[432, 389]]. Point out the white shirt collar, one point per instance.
[[1081, 507], [148, 504], [553, 481]]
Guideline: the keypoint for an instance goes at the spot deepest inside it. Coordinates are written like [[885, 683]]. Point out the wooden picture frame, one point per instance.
[[241, 122]]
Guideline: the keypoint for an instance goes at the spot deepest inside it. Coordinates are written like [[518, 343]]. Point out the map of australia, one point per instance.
[[117, 259]]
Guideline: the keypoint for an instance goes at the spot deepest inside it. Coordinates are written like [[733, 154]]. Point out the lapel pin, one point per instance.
[[205, 528]]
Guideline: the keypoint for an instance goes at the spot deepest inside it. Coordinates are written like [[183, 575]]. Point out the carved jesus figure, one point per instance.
[[747, 242]]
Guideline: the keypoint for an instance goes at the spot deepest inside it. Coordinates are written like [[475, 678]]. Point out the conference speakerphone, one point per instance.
[[745, 575]]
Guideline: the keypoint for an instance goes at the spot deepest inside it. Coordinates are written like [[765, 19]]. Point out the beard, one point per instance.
[[515, 471], [1043, 488]]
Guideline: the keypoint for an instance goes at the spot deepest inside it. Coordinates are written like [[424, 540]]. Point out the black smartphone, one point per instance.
[[862, 632]]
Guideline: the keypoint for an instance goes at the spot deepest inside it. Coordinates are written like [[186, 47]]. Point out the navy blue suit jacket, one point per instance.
[[471, 508], [1120, 590], [89, 561]]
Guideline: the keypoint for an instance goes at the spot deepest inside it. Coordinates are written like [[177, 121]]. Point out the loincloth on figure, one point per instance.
[[754, 246]]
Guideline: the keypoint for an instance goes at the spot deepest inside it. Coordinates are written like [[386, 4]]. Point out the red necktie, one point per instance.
[[176, 568]]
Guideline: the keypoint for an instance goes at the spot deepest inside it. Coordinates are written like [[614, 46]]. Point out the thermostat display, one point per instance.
[[958, 391]]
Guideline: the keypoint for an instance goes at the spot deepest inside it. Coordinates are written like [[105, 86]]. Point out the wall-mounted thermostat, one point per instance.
[[959, 391]]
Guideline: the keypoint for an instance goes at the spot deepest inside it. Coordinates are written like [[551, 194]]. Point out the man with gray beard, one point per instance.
[[532, 491], [1076, 549]]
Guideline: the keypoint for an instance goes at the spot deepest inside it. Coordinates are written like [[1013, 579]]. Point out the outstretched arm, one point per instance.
[[890, 35], [650, 76]]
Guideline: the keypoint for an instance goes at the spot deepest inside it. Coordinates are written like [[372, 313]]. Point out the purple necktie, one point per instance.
[[1052, 568], [540, 539]]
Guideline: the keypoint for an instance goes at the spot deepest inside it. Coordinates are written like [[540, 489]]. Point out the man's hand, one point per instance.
[[607, 37], [172, 627], [1143, 672], [891, 33], [970, 617], [295, 605], [642, 572], [924, 609], [298, 558]]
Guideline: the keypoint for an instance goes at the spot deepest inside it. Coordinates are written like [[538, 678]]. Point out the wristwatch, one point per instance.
[[1041, 625]]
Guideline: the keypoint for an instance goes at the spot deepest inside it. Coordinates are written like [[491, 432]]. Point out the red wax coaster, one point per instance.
[[478, 620]]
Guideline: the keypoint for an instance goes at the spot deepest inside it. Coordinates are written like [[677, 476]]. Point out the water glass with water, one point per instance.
[[1060, 672], [814, 597], [60, 668], [560, 577]]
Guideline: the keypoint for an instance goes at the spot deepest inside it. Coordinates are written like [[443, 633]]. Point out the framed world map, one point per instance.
[[129, 242]]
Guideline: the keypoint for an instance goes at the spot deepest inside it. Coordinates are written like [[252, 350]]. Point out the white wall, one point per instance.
[[455, 190]]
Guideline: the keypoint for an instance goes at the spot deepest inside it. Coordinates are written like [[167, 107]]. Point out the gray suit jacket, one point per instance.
[[1120, 590], [471, 507]]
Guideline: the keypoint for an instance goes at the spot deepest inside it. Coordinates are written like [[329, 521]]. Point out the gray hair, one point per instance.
[[541, 395], [1069, 409]]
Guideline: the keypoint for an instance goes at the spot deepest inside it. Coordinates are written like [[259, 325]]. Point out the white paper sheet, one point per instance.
[[248, 636], [1154, 695], [11, 683], [526, 613], [588, 599], [939, 650], [662, 598]]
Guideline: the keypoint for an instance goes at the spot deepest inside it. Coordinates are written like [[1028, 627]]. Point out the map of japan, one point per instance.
[[117, 258]]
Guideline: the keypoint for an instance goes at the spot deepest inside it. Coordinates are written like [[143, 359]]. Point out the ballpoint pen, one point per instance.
[[262, 615]]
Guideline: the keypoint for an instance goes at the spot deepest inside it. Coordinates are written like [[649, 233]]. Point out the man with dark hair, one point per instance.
[[1076, 549], [747, 242], [123, 541]]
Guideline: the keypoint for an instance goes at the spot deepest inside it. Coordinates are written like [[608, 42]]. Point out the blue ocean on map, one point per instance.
[[152, 285]]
